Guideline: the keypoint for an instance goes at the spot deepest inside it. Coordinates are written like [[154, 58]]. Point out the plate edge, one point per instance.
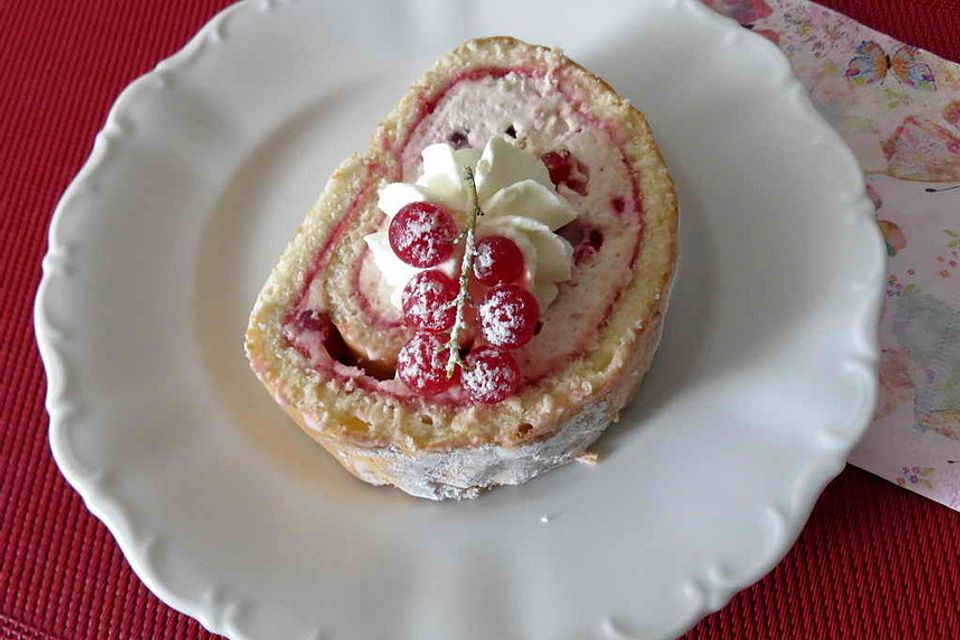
[[711, 588]]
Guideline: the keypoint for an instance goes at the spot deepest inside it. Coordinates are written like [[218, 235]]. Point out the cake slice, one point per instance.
[[476, 298]]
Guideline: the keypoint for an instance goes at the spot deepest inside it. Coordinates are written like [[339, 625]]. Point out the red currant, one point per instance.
[[565, 168], [422, 364], [422, 234], [490, 375], [427, 301], [497, 259], [508, 316]]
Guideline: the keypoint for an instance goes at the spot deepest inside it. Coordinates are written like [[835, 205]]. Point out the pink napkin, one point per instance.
[[898, 108]]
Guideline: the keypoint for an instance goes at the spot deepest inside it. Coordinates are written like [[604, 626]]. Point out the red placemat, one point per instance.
[[874, 562]]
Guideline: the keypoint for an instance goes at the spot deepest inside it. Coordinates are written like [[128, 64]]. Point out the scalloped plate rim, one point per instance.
[[136, 546]]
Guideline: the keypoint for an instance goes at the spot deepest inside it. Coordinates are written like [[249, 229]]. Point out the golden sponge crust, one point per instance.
[[385, 441]]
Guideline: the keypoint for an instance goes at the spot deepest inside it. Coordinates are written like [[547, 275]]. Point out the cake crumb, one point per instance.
[[588, 457]]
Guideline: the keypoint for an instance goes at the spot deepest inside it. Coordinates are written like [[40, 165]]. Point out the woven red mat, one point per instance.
[[875, 561]]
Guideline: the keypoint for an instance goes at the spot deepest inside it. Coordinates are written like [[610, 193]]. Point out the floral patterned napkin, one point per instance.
[[898, 108]]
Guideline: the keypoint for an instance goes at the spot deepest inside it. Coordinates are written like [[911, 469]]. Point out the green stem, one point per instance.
[[466, 266]]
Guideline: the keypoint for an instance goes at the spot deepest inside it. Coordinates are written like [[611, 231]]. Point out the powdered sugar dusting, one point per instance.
[[490, 375], [422, 234], [418, 238], [417, 292], [508, 315], [463, 473], [421, 364], [499, 259], [428, 301], [484, 257]]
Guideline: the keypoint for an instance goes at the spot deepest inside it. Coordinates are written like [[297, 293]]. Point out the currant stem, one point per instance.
[[942, 189], [466, 266]]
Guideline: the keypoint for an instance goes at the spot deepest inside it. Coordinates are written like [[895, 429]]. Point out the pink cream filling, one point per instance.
[[321, 346]]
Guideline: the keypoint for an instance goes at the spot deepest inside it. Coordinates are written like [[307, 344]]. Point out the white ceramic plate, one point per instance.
[[205, 167]]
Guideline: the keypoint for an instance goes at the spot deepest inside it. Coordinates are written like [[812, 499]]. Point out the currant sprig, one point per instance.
[[423, 235], [466, 267]]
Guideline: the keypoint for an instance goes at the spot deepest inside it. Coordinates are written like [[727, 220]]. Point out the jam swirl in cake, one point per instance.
[[586, 166]]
